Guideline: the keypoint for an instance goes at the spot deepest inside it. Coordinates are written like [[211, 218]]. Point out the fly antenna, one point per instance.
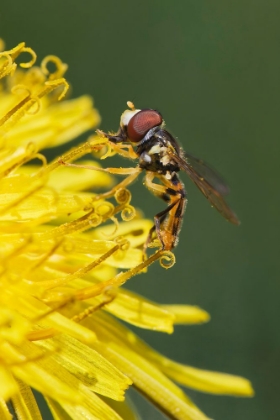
[[131, 105]]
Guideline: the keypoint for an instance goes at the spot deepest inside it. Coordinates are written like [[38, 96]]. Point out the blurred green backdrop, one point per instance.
[[212, 69]]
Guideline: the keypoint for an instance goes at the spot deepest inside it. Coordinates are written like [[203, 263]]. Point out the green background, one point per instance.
[[212, 69]]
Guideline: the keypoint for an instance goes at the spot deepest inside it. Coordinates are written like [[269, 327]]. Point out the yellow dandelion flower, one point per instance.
[[61, 271]]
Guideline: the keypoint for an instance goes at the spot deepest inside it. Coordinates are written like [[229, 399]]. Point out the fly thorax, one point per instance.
[[168, 175], [161, 151], [157, 149], [145, 160]]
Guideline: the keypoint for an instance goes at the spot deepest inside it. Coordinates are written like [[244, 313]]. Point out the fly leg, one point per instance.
[[159, 219], [176, 220], [168, 222], [115, 142], [121, 185], [131, 172]]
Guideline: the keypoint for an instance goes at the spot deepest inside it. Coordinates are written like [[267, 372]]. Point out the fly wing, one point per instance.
[[210, 184], [203, 170]]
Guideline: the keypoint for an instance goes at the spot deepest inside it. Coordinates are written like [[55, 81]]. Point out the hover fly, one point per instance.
[[142, 136]]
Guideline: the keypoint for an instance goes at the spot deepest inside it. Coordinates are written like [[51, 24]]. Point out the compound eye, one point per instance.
[[141, 123]]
